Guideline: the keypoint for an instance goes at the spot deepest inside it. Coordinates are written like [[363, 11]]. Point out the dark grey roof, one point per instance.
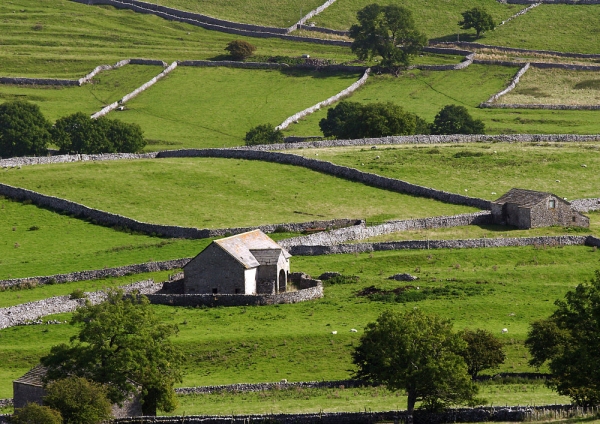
[[33, 377], [525, 198]]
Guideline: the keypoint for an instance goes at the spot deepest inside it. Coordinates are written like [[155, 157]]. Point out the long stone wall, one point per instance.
[[576, 2], [259, 387], [310, 14], [586, 205], [234, 64], [333, 99], [467, 45], [38, 81], [520, 13], [46, 160], [511, 86]]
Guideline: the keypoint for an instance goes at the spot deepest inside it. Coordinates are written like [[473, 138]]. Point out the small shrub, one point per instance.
[[263, 134], [37, 27], [240, 49], [51, 281], [34, 228], [32, 413], [27, 202], [78, 294]]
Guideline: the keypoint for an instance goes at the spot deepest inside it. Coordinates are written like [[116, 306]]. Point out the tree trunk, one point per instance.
[[412, 399]]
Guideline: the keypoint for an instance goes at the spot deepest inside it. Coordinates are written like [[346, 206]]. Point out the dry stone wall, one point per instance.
[[259, 387], [234, 64], [38, 81], [586, 205], [45, 160], [511, 86], [577, 2], [470, 45], [310, 15]]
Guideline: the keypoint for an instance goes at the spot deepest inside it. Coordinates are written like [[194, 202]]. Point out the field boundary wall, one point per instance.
[[574, 2], [520, 13], [333, 99], [309, 15], [586, 205], [511, 86], [468, 44]]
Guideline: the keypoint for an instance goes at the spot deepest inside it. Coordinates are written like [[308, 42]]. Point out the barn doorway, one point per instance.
[[282, 281]]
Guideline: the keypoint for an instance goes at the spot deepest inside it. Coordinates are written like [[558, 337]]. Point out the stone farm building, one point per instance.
[[531, 209], [30, 389], [247, 263]]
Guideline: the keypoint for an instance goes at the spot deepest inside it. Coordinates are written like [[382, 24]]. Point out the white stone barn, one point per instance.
[[247, 263]]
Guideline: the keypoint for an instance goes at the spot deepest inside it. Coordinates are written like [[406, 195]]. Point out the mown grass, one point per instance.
[[556, 86], [215, 107], [426, 92], [59, 38], [36, 242], [106, 87], [437, 18], [483, 170], [278, 13], [219, 193], [486, 288]]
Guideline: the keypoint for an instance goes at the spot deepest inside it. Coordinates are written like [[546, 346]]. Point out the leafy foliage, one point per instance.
[[121, 344], [418, 353], [483, 351], [478, 19], [78, 133], [263, 134], [381, 30], [240, 49], [78, 400], [32, 413], [568, 341], [23, 129], [354, 120], [454, 119]]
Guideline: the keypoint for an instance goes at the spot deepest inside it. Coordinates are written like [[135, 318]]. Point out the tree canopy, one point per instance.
[[483, 351], [386, 31], [454, 119], [24, 130], [240, 49], [123, 345], [78, 400], [263, 134], [417, 353], [568, 341], [478, 19], [32, 413]]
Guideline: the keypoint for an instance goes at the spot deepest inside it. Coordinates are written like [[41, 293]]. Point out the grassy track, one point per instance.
[[218, 193], [556, 86], [215, 107], [278, 13], [425, 93], [481, 170], [437, 18], [59, 38], [107, 87], [490, 288]]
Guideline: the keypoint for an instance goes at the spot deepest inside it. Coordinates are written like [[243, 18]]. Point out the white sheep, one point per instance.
[[504, 330], [353, 330], [334, 332]]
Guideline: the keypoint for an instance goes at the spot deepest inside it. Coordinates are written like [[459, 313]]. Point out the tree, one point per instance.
[[263, 134], [240, 49], [418, 353], [568, 341], [483, 351], [23, 130], [78, 400], [124, 137], [478, 19], [386, 31], [123, 345], [32, 413], [453, 119], [352, 120]]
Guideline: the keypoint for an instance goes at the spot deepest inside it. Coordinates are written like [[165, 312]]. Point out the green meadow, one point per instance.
[[106, 87], [485, 170], [426, 92], [219, 193], [215, 107]]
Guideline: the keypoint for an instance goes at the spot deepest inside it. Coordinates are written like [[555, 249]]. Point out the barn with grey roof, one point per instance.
[[532, 209]]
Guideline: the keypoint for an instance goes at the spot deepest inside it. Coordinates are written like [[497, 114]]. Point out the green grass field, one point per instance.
[[481, 170], [426, 92], [106, 88], [556, 87], [215, 107], [63, 39], [219, 193]]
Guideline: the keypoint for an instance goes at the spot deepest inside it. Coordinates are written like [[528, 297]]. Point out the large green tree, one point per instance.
[[484, 351], [417, 353], [23, 130], [478, 19], [456, 119], [123, 345], [78, 400], [569, 342], [388, 32]]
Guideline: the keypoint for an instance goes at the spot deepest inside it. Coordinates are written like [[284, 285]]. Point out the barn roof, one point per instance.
[[525, 198], [241, 245], [33, 377]]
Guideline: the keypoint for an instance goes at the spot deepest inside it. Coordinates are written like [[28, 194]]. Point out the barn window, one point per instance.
[[551, 204], [238, 291], [574, 219], [215, 291]]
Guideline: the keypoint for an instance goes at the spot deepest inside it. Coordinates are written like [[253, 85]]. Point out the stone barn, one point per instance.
[[30, 389], [532, 209], [248, 263]]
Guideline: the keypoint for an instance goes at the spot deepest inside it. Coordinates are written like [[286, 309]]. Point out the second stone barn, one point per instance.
[[247, 263], [532, 209]]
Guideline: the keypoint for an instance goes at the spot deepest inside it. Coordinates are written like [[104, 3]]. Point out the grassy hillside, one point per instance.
[[107, 87], [278, 13], [218, 193], [481, 170], [59, 38], [426, 92], [215, 107]]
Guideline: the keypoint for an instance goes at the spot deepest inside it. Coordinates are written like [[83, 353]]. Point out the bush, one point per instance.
[[79, 401], [77, 294], [263, 134], [240, 49], [453, 119], [23, 130], [32, 413]]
